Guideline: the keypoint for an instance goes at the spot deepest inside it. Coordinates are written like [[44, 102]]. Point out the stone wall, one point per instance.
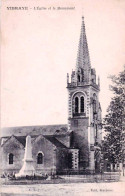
[[80, 139], [42, 145], [17, 150]]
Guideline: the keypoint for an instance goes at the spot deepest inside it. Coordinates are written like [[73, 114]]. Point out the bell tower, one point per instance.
[[84, 111]]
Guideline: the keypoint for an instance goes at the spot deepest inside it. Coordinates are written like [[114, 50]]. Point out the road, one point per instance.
[[73, 189]]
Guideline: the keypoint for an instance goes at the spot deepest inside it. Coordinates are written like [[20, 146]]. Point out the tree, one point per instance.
[[114, 121]]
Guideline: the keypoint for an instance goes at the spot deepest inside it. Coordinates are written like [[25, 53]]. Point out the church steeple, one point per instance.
[[83, 74], [83, 59], [84, 112]]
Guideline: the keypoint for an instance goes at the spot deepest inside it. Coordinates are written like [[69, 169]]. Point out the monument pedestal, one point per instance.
[[27, 168]]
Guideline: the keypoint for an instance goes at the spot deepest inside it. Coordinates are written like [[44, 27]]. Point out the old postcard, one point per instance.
[[62, 97]]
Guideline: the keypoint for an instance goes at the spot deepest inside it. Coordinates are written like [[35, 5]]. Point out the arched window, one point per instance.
[[76, 105], [83, 76], [10, 158], [40, 158], [94, 104], [82, 104], [78, 78]]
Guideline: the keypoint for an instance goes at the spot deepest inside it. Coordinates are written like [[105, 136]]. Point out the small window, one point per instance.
[[94, 104], [10, 158], [76, 105], [82, 104], [78, 78], [40, 158], [83, 76]]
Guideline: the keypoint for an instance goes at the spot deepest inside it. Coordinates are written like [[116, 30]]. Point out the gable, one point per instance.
[[37, 139], [50, 139], [12, 142]]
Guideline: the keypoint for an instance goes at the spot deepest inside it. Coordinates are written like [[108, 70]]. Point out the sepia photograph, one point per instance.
[[62, 98]]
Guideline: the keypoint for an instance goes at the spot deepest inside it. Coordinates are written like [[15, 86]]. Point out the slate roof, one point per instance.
[[33, 130], [21, 139], [54, 141], [50, 132], [63, 131]]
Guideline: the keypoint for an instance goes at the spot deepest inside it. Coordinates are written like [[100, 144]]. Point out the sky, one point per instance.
[[39, 48]]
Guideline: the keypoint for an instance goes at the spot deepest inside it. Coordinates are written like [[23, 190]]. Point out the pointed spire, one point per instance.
[[83, 59]]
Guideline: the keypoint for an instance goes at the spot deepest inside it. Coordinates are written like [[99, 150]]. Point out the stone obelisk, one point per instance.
[[27, 168]]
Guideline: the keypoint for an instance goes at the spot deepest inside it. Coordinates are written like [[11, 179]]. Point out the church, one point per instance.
[[75, 147]]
